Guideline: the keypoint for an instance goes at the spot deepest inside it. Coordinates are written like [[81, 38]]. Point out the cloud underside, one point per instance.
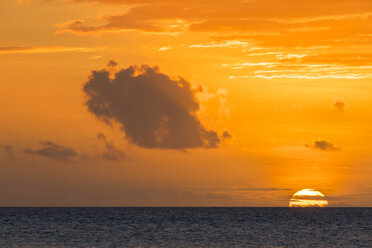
[[64, 153], [153, 110], [298, 23], [54, 151], [111, 153]]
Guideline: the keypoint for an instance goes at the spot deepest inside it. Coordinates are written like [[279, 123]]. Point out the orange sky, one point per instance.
[[242, 103]]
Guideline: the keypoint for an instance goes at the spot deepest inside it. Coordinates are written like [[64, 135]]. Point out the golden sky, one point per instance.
[[185, 102]]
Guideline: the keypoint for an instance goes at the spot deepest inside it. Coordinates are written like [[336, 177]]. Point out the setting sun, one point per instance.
[[308, 198]]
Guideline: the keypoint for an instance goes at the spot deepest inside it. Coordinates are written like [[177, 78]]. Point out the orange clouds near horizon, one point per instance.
[[241, 103]]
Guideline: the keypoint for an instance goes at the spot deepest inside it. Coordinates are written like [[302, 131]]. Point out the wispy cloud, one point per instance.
[[166, 48], [214, 44], [304, 66], [248, 189], [268, 23], [52, 49], [54, 151], [111, 153], [298, 76]]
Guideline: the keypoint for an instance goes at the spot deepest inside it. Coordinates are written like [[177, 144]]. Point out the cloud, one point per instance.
[[65, 154], [112, 153], [226, 135], [112, 63], [52, 49], [224, 44], [113, 23], [339, 104], [322, 144], [248, 189], [285, 23], [153, 110], [165, 48], [9, 151], [224, 109], [301, 66], [54, 151]]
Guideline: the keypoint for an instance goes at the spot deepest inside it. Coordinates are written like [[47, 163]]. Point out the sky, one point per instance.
[[185, 102]]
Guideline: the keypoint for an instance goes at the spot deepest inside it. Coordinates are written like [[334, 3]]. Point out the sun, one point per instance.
[[308, 198]]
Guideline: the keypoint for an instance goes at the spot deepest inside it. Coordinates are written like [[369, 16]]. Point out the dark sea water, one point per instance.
[[185, 227]]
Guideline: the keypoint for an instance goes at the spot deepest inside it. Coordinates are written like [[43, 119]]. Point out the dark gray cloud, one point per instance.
[[226, 135], [323, 145], [112, 63], [54, 151], [9, 151], [153, 110], [339, 105], [111, 153], [64, 154]]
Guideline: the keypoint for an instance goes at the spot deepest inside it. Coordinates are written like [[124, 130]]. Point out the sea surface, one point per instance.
[[186, 227]]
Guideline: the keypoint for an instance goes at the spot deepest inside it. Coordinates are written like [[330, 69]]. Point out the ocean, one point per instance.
[[185, 227]]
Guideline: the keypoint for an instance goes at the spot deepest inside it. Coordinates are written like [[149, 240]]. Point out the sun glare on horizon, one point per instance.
[[308, 198]]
